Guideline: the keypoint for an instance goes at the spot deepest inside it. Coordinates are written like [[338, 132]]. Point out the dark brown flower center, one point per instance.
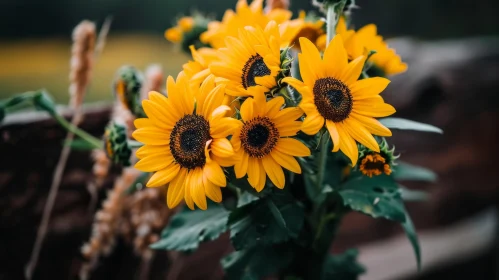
[[308, 32], [188, 140], [254, 67], [332, 99], [259, 136]]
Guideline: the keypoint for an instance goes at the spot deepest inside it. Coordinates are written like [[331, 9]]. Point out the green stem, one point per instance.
[[331, 23], [322, 160], [323, 221], [96, 143]]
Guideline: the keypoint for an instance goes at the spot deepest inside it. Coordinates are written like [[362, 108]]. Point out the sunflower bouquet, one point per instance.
[[273, 132]]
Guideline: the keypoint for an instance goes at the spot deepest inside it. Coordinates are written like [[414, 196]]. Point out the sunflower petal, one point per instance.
[[152, 136], [214, 173], [361, 134], [286, 161], [212, 191], [373, 125], [372, 109], [274, 171], [187, 188], [254, 173], [241, 166], [292, 147], [335, 57], [347, 144], [151, 164], [367, 88], [176, 191], [288, 114], [197, 189], [273, 106], [352, 72], [164, 176], [335, 136], [312, 124], [247, 109], [221, 147]]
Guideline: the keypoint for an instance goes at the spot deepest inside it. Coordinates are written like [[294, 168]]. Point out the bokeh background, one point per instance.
[[452, 82]]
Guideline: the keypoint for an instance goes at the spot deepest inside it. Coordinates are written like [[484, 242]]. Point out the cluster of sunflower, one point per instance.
[[237, 104], [279, 119]]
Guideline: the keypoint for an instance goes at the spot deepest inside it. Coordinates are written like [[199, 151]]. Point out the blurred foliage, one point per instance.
[[423, 18]]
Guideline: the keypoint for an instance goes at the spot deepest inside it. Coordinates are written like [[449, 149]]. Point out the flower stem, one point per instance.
[[96, 143], [322, 160], [333, 16]]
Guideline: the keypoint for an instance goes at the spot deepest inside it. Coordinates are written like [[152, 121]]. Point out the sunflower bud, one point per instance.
[[374, 163], [286, 63], [187, 32], [116, 144], [127, 86]]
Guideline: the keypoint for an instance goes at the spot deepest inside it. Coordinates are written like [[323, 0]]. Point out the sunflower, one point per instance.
[[333, 95], [301, 27], [244, 15], [185, 141], [175, 34], [262, 143], [385, 58], [197, 70], [364, 40], [251, 62]]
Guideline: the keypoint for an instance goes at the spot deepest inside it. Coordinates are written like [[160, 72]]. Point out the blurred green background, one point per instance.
[[35, 35]]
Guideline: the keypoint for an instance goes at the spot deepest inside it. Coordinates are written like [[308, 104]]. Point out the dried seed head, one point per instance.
[[276, 4], [82, 60]]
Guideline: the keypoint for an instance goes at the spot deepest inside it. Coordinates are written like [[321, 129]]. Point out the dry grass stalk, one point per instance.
[[154, 80], [276, 4], [82, 60], [80, 70], [107, 222]]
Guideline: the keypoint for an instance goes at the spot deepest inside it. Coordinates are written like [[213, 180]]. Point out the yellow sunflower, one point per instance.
[[364, 40], [385, 58], [333, 95], [300, 27], [251, 62], [245, 15], [185, 141], [262, 143], [175, 34], [197, 70]]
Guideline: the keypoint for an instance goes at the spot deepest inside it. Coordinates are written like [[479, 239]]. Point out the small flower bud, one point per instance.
[[116, 144]]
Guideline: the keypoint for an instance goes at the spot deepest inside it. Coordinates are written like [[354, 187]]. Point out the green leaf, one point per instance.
[[413, 195], [406, 171], [256, 262], [343, 266], [398, 123], [190, 227], [79, 145], [246, 198], [276, 213], [377, 197], [45, 102], [252, 224], [410, 231]]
